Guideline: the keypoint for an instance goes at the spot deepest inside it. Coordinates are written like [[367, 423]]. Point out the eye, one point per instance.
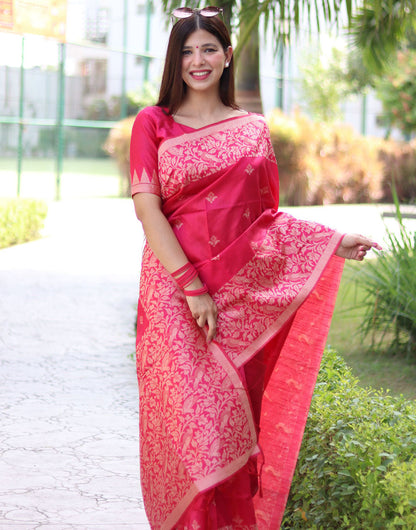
[[210, 50], [186, 52]]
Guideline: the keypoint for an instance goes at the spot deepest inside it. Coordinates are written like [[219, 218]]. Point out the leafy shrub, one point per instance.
[[356, 466], [397, 91], [321, 163], [20, 220], [399, 166], [117, 145], [324, 85], [288, 135], [390, 284]]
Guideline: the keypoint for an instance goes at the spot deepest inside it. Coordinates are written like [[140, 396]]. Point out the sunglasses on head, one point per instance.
[[186, 12]]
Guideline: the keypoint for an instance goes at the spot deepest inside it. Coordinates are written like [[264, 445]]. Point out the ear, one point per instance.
[[228, 55]]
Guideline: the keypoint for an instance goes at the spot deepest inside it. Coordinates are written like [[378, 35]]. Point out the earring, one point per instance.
[[227, 65]]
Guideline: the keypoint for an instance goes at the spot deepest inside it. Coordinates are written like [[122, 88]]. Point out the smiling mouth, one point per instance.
[[205, 73]]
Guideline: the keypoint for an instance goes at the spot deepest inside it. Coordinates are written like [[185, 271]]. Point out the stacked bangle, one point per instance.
[[184, 276], [196, 292]]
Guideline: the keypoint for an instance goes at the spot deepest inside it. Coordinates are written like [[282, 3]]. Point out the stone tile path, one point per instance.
[[68, 391]]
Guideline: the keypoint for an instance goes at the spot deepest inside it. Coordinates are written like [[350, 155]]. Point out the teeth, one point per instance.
[[199, 74]]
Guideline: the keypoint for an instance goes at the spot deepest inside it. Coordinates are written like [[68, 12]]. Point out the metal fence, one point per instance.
[[63, 104]]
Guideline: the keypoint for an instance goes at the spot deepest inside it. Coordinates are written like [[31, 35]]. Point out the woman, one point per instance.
[[234, 296]]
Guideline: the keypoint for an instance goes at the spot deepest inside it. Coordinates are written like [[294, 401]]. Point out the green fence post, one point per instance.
[[60, 119], [364, 115], [123, 105], [21, 113], [279, 93]]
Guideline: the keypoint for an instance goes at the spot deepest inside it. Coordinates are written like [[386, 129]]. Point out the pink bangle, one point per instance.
[[196, 292], [183, 269], [185, 275]]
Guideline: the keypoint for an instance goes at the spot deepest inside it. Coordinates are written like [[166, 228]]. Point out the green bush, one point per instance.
[[20, 220], [117, 146], [357, 466], [323, 163], [397, 91], [399, 166], [390, 286]]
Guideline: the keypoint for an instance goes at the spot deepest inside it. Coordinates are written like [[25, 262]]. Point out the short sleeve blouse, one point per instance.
[[144, 146]]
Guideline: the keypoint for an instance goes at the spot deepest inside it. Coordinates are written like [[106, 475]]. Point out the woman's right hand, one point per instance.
[[163, 242], [204, 311]]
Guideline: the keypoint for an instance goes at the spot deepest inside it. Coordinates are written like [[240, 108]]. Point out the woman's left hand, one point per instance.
[[355, 246]]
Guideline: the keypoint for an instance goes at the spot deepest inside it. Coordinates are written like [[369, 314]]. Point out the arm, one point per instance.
[[166, 247]]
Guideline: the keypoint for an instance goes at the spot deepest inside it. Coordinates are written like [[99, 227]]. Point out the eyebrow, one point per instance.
[[203, 45]]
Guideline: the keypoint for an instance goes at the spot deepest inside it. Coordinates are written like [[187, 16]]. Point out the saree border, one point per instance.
[[303, 294], [194, 134]]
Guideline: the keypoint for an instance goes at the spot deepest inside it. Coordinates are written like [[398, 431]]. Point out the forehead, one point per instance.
[[201, 37]]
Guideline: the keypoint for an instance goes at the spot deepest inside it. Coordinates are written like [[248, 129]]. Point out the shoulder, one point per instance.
[[150, 117], [251, 116], [258, 121], [258, 117]]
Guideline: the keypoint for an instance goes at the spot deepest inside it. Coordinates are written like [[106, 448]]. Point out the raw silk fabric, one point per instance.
[[274, 279]]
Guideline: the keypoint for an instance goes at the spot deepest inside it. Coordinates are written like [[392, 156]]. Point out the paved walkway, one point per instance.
[[68, 391]]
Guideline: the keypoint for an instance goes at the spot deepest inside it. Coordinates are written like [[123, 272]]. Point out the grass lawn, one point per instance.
[[81, 178], [376, 369]]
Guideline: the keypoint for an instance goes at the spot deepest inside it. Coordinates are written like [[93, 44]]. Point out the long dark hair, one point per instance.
[[173, 89]]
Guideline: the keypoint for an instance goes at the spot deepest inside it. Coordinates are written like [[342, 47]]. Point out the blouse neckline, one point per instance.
[[246, 113]]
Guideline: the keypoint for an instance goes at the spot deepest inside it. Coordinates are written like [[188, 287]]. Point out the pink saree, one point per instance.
[[209, 411]]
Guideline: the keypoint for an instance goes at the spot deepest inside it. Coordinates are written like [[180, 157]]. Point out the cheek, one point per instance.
[[219, 60], [186, 60]]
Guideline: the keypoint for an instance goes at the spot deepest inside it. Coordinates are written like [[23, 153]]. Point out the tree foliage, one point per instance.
[[390, 286], [397, 91], [378, 27], [324, 82]]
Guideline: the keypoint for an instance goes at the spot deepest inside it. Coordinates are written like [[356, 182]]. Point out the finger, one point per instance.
[[369, 243], [212, 327]]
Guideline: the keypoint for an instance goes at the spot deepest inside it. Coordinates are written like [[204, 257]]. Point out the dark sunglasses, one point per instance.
[[186, 12]]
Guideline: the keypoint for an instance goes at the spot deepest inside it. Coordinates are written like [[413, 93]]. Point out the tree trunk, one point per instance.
[[248, 76]]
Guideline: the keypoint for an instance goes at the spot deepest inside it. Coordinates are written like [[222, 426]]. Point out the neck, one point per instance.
[[202, 104]]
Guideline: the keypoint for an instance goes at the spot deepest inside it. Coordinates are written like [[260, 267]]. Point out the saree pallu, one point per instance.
[[274, 279]]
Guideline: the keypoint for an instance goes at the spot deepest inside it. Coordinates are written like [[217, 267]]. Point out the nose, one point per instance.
[[197, 56]]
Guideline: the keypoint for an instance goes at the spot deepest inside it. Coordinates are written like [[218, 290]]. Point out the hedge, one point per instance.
[[321, 163], [21, 220], [357, 465]]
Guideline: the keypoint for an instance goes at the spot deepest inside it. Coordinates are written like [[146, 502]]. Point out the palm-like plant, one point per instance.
[[376, 27]]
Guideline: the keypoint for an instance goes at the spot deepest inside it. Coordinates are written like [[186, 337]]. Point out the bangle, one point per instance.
[[183, 269], [185, 275], [196, 292]]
